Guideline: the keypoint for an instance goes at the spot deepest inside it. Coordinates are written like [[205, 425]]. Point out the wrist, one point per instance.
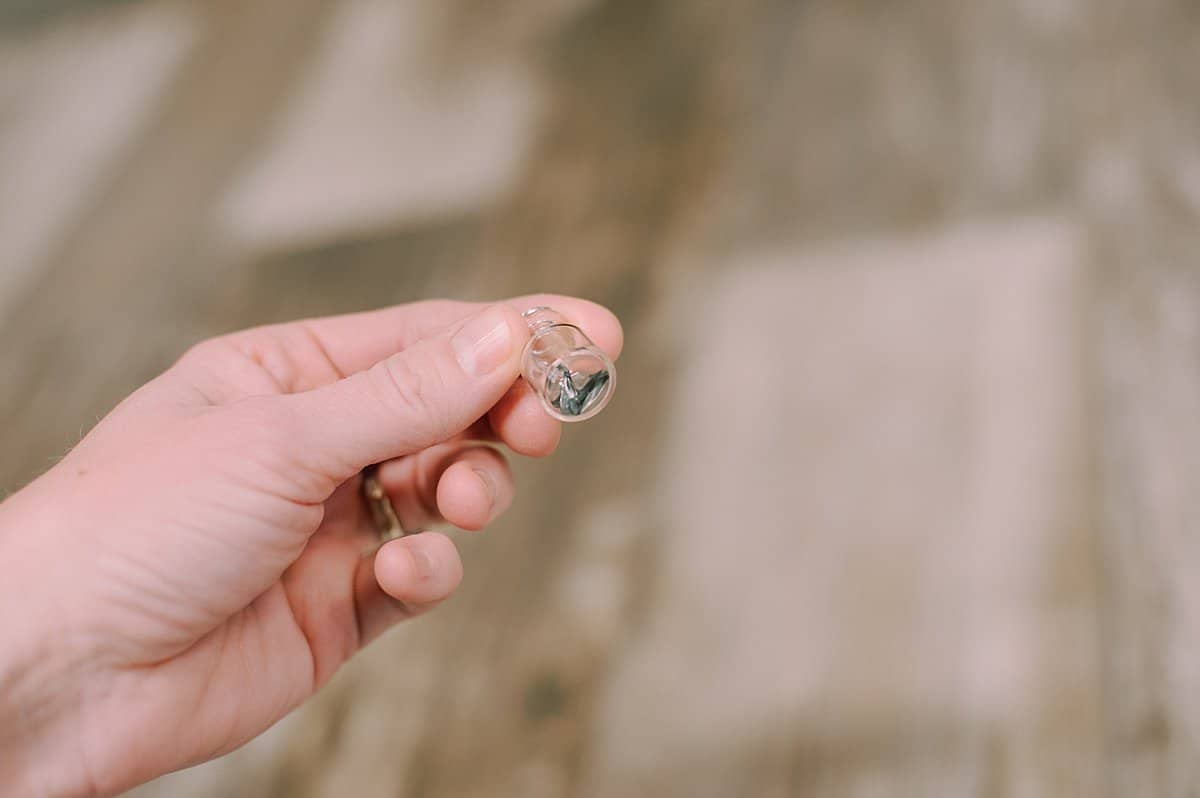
[[42, 680]]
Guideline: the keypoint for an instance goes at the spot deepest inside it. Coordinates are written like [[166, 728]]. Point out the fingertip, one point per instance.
[[523, 424], [469, 496], [516, 323], [600, 323], [605, 329], [464, 498], [419, 569]]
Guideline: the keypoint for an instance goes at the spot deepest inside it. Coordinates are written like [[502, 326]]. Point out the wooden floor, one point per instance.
[[913, 326]]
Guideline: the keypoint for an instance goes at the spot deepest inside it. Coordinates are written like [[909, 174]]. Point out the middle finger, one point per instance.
[[461, 483]]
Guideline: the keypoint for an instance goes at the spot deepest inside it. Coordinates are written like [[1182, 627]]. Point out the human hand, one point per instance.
[[194, 569]]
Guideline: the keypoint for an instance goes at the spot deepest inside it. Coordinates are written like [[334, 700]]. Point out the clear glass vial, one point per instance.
[[571, 375]]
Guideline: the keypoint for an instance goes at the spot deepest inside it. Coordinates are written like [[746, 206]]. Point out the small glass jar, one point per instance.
[[571, 375]]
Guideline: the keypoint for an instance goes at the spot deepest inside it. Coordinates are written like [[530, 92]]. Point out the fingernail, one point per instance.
[[483, 343], [422, 563], [489, 484]]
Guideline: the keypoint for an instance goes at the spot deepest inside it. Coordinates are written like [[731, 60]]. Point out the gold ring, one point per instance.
[[387, 523]]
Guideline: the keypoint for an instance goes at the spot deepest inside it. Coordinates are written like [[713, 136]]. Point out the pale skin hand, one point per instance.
[[194, 569]]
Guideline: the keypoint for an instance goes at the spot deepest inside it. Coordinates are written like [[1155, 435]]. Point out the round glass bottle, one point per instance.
[[571, 375]]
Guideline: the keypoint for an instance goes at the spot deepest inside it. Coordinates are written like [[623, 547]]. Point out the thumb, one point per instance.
[[423, 395]]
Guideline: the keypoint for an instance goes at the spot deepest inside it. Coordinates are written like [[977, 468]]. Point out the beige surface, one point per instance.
[[895, 495]]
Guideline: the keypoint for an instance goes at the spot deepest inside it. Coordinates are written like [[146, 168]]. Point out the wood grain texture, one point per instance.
[[894, 498]]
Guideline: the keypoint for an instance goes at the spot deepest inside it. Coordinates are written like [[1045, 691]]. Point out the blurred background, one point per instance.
[[913, 326]]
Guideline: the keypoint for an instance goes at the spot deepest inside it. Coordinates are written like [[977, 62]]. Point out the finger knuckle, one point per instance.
[[203, 352], [414, 389]]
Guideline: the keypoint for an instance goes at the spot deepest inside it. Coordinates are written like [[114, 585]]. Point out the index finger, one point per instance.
[[357, 341]]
